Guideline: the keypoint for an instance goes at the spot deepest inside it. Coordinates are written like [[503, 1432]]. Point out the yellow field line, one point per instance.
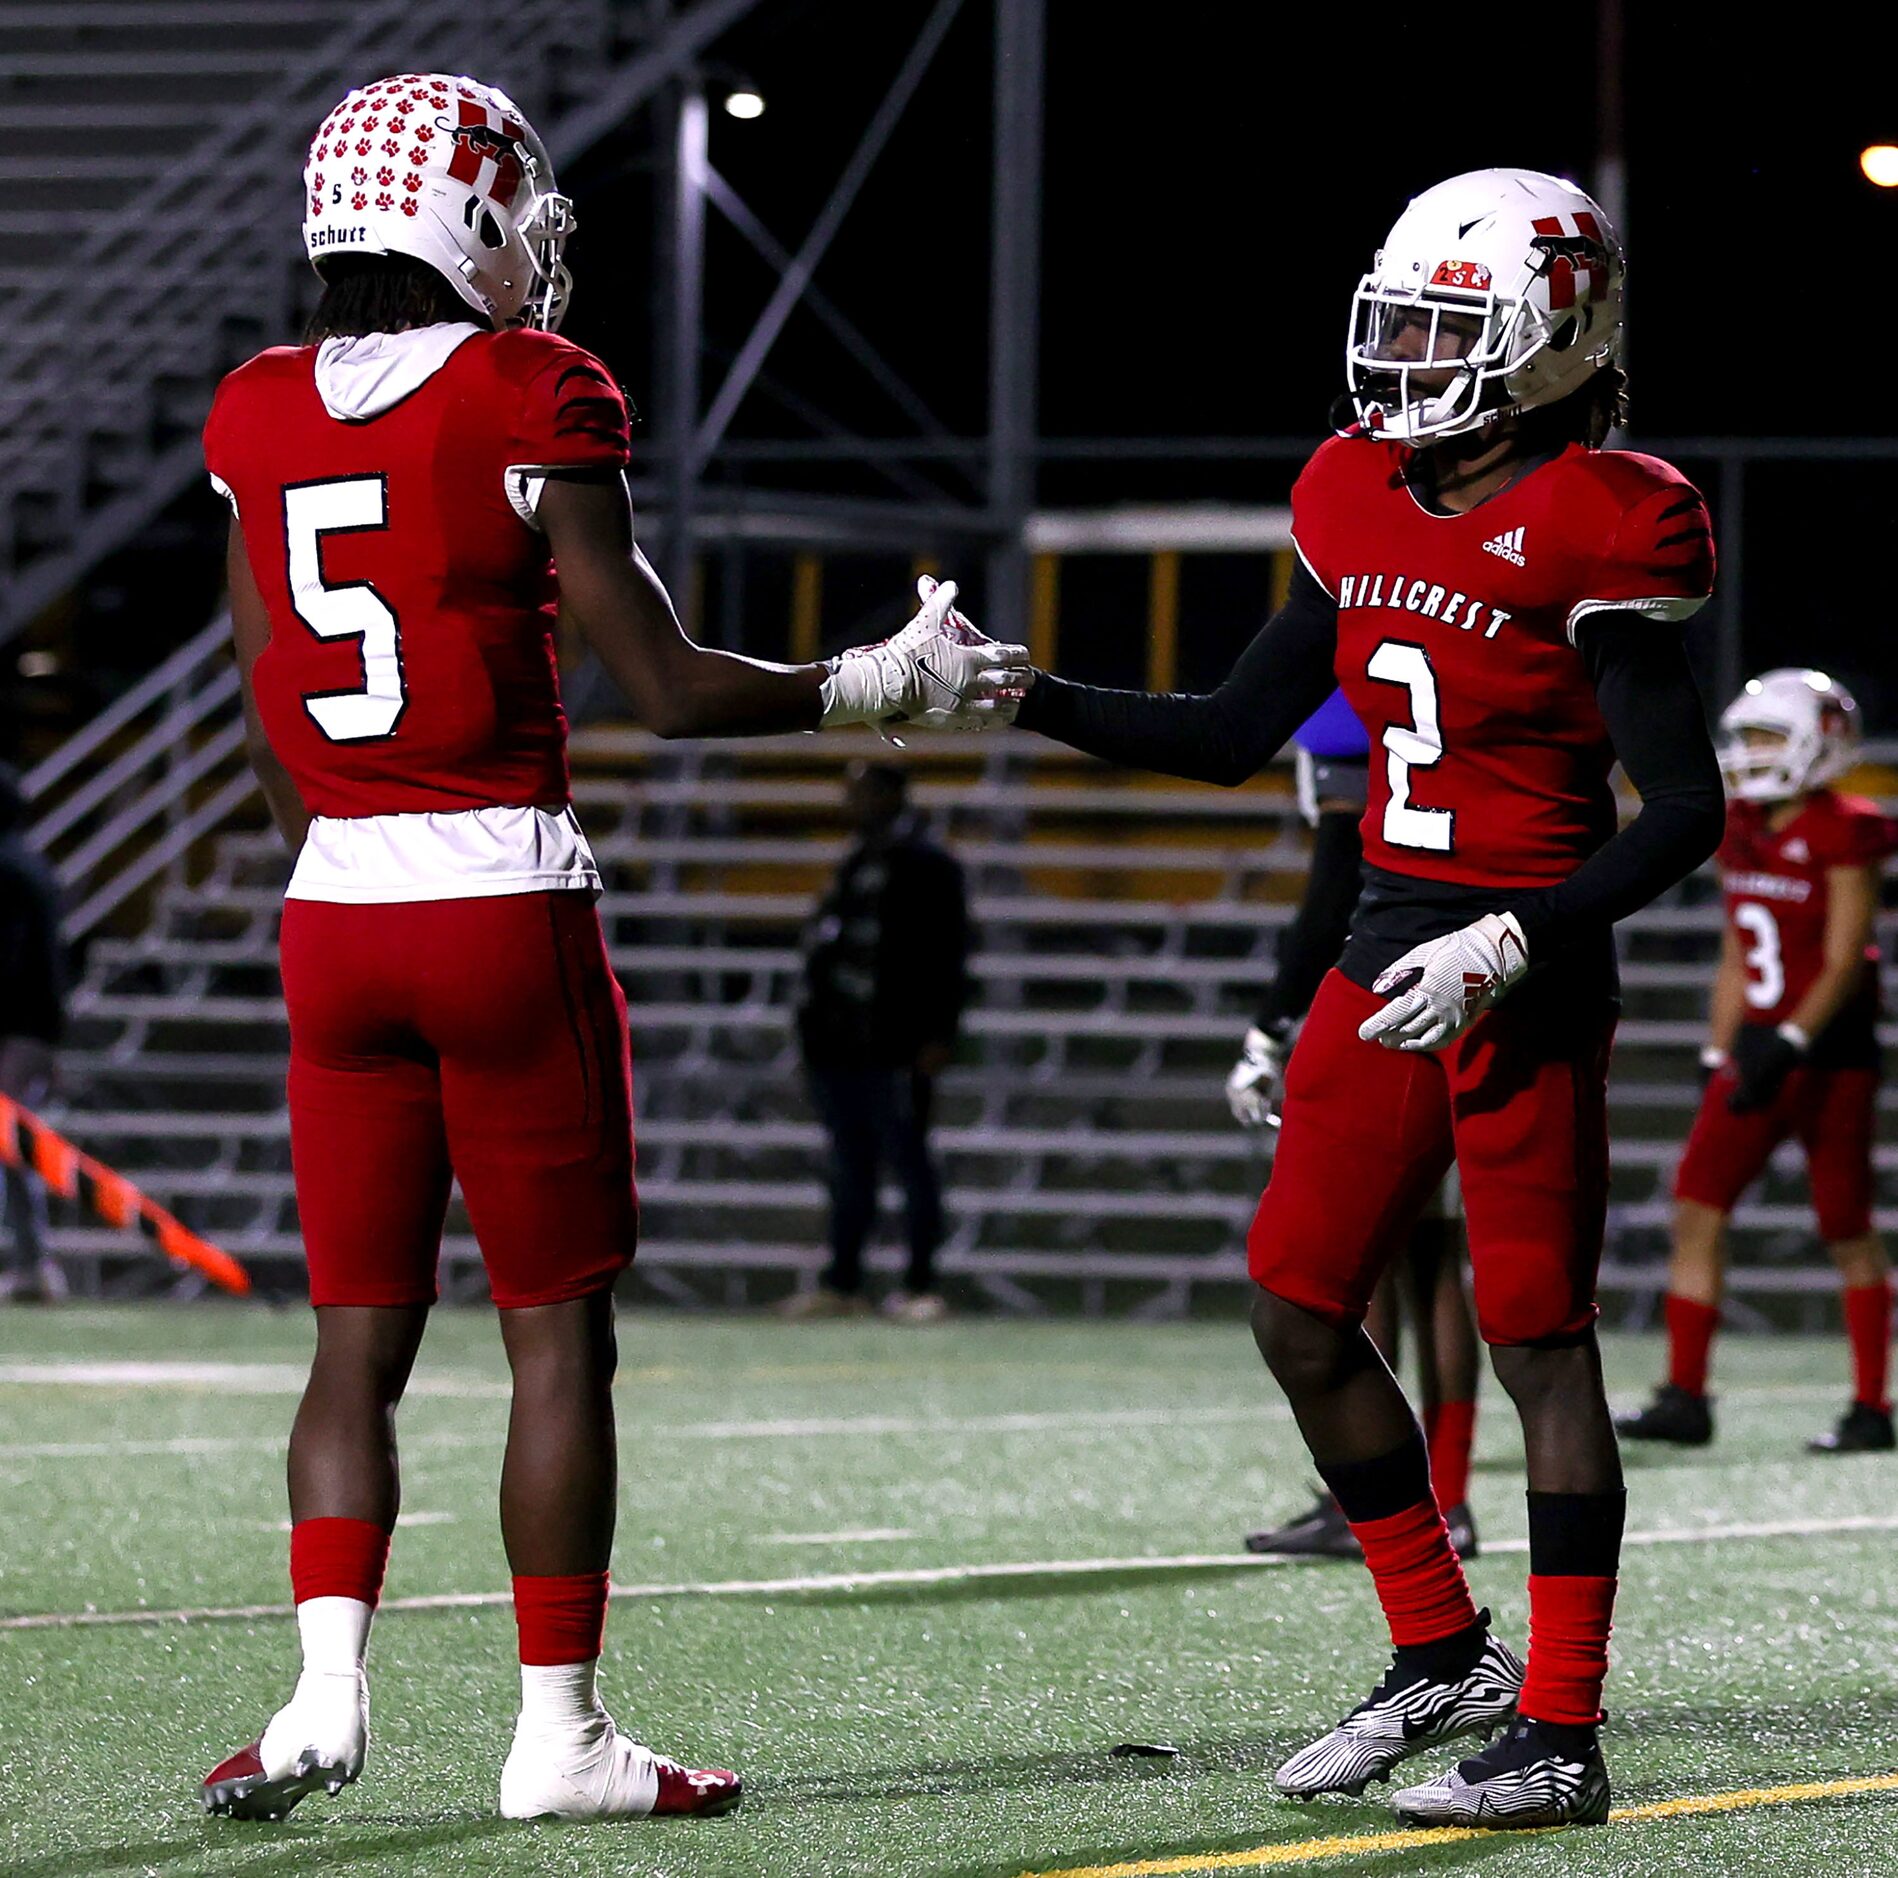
[[1310, 1851]]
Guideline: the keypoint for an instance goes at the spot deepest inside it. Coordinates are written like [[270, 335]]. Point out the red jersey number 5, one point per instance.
[[347, 505]]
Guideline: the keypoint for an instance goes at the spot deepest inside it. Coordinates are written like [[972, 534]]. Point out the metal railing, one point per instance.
[[100, 409], [127, 797]]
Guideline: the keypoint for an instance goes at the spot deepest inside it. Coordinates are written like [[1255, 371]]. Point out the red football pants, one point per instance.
[[1519, 1102], [1832, 1112], [483, 1039]]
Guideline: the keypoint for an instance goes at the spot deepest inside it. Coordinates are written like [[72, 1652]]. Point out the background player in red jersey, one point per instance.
[[1793, 1048], [402, 487], [1500, 599]]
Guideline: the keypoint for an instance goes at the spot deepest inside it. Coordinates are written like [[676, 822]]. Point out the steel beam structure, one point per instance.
[[1014, 305], [685, 319]]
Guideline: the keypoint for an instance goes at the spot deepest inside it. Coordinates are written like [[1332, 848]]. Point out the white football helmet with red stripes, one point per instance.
[[451, 173], [1790, 730], [1495, 292]]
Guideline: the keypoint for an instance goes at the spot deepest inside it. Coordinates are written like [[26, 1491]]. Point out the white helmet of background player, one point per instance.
[[1509, 280], [450, 173], [1814, 722]]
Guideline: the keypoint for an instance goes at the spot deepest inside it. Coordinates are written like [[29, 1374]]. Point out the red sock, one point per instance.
[[1690, 1328], [561, 1619], [1569, 1624], [337, 1558], [1452, 1429], [1418, 1575], [1868, 1330]]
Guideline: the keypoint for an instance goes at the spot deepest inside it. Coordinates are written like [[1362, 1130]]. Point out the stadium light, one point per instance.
[[746, 103], [1879, 161]]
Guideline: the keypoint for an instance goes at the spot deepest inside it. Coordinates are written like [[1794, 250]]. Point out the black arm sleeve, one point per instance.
[[1224, 736], [1308, 948], [1656, 722]]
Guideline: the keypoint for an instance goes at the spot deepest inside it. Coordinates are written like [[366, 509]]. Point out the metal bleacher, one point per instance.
[[1126, 925], [151, 152]]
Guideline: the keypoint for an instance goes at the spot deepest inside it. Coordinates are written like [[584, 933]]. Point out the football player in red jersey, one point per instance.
[[1501, 599], [1794, 1044], [403, 486], [1333, 770]]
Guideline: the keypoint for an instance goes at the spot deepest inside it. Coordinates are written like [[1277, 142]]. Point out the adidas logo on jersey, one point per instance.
[[1796, 851], [1508, 544]]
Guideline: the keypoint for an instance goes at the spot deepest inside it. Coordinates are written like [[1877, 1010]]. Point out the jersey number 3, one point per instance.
[[1764, 959], [350, 505], [1412, 746]]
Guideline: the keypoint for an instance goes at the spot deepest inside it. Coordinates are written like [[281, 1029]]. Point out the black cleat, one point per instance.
[[1324, 1532], [1674, 1416], [1862, 1429], [1462, 1524], [1537, 1774]]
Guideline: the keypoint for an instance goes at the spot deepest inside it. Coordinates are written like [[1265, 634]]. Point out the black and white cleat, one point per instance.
[[1537, 1774], [1407, 1713]]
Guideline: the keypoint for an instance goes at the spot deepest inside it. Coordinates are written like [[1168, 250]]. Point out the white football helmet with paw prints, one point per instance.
[[450, 173], [1495, 292], [1812, 722]]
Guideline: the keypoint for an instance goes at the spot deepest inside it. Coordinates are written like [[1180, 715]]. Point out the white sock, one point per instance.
[[334, 1634], [560, 1695]]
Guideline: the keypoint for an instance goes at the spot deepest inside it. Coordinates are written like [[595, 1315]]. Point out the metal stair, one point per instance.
[[151, 152]]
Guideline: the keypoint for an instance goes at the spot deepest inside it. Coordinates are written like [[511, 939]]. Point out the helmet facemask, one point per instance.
[[1764, 762], [1477, 334], [1493, 294], [545, 231]]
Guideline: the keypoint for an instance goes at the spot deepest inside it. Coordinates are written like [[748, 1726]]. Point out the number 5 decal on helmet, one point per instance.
[[1416, 745], [349, 505]]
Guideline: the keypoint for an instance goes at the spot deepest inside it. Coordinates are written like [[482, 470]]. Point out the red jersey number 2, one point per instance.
[[348, 505], [1413, 746]]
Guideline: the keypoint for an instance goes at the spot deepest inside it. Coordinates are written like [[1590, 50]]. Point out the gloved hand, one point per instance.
[[925, 676], [1762, 1060], [1439, 989], [1256, 1086]]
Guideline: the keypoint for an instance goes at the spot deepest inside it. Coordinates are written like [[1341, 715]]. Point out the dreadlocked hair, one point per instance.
[[1585, 416], [381, 293]]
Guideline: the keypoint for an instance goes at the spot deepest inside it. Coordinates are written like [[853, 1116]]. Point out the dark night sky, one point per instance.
[[1216, 182], [1218, 173]]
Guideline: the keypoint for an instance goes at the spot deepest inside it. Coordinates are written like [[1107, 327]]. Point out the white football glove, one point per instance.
[[926, 675], [1256, 1086], [1439, 989]]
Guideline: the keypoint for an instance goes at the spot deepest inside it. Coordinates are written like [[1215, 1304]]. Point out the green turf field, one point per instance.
[[935, 1722]]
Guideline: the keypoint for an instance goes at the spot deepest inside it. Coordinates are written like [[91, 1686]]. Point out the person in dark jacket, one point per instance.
[[32, 1017], [885, 983]]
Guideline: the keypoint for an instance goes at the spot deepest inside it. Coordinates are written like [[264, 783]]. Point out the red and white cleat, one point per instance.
[[595, 1772], [695, 1792], [315, 1742]]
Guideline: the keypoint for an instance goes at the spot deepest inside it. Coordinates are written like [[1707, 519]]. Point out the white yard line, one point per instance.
[[800, 1428], [220, 1378], [861, 1535], [924, 1576], [401, 1519], [795, 1428]]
